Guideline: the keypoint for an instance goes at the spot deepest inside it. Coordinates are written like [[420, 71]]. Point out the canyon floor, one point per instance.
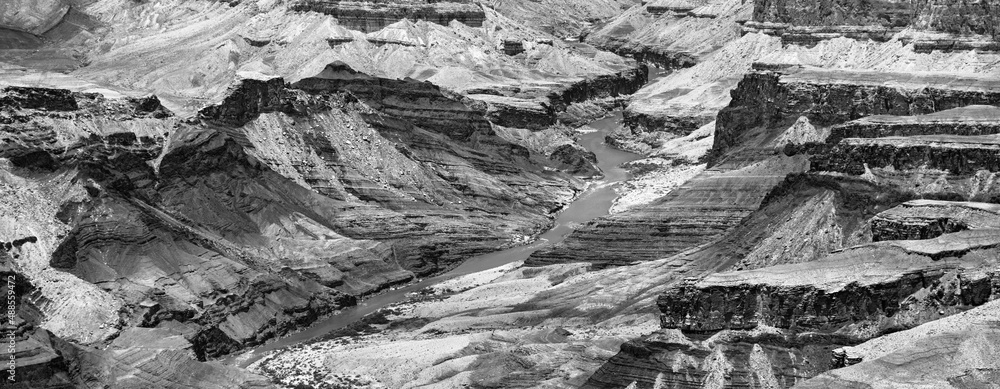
[[500, 194]]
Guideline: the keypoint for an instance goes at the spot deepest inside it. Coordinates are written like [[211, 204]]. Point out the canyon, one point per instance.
[[500, 194]]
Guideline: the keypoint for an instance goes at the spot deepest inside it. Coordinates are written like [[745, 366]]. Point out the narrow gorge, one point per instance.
[[613, 194]]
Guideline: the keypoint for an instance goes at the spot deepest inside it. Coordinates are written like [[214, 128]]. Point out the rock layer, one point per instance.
[[371, 16], [925, 219]]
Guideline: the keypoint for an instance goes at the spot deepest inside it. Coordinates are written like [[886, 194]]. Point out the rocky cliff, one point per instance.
[[370, 16], [933, 131], [214, 224], [925, 219], [978, 17]]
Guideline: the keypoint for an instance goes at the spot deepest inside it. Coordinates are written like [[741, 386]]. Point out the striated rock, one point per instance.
[[834, 97], [540, 112], [512, 47], [781, 325], [749, 359], [213, 228], [518, 113], [956, 351], [963, 155], [687, 217], [951, 17], [561, 18], [37, 355], [967, 120], [811, 35], [44, 128], [375, 15], [925, 219], [33, 17], [156, 358], [844, 293], [672, 34], [583, 162]]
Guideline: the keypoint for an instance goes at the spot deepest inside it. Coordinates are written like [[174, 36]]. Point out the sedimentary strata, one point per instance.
[[201, 222], [370, 16], [955, 351], [952, 17], [925, 219]]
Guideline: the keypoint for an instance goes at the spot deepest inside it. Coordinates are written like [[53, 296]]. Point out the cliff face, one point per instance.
[[273, 208], [561, 18], [696, 213], [875, 140], [670, 34], [668, 359], [925, 219], [949, 352], [37, 354], [34, 17], [370, 16], [850, 302], [831, 97], [978, 17]]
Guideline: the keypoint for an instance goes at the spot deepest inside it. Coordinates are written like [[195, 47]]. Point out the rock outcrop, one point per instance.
[[834, 97], [952, 17], [963, 121], [955, 351], [38, 353], [368, 16], [273, 208], [671, 34], [844, 293], [925, 219]]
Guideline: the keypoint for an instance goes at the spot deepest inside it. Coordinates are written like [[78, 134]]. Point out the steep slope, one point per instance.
[[209, 232], [956, 351], [672, 34]]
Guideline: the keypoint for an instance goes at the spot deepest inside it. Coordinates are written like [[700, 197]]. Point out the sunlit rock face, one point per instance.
[[183, 180]]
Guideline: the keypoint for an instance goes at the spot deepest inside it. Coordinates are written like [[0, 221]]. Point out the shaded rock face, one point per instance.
[[656, 57], [959, 17], [370, 16], [142, 357], [951, 352], [667, 359], [33, 17], [832, 97], [276, 206], [582, 162], [964, 157], [743, 329], [861, 308], [44, 128], [542, 112], [929, 25], [406, 101], [623, 83], [670, 124], [38, 353], [964, 121], [925, 219], [910, 283]]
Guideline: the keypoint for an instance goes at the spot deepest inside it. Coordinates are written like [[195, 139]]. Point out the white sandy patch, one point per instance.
[[496, 294], [395, 363], [469, 281], [653, 185]]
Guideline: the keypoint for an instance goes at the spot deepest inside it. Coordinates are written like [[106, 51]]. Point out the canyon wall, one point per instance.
[[978, 17], [368, 16]]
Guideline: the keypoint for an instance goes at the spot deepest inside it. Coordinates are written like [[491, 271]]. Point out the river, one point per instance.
[[594, 202]]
